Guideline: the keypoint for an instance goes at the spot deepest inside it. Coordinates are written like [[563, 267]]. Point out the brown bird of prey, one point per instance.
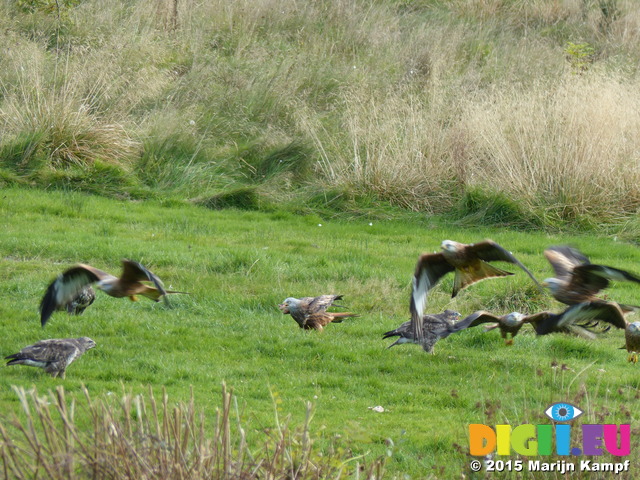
[[78, 304], [598, 310], [509, 324], [53, 355], [632, 341], [434, 327], [311, 312], [579, 319], [470, 264], [578, 280], [69, 284]]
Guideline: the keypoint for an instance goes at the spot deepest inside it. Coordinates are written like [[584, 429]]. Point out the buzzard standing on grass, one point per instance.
[[470, 264], [311, 312], [577, 280], [70, 284], [435, 326], [509, 324], [53, 355]]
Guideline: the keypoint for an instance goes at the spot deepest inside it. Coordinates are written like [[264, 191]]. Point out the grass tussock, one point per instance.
[[567, 154], [56, 126], [410, 103], [142, 437]]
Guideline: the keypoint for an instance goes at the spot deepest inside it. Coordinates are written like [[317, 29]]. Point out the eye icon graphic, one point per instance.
[[563, 412]]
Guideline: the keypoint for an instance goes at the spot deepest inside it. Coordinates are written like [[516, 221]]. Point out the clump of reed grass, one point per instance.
[[61, 124], [142, 437], [412, 103], [567, 154]]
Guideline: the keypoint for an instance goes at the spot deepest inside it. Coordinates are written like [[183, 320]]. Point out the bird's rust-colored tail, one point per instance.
[[338, 317], [155, 294]]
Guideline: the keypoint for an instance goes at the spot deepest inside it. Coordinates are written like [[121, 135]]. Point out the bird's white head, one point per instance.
[[450, 246], [288, 305], [107, 284], [452, 315], [513, 319], [634, 328], [553, 284], [86, 343]]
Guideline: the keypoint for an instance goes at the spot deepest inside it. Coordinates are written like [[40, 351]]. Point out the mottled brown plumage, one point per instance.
[[311, 312], [435, 326], [78, 304], [579, 319], [68, 285], [577, 280], [509, 324], [53, 355], [470, 264]]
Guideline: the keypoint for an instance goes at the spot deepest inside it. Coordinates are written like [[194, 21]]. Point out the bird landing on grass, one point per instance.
[[310, 313], [434, 327], [509, 324]]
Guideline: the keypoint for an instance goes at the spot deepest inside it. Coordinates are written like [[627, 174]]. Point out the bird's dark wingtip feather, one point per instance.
[[47, 304]]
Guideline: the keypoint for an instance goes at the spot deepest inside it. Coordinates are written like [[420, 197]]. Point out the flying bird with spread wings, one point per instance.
[[509, 324], [435, 326], [578, 280], [597, 310], [311, 312], [470, 263], [53, 355], [579, 319], [69, 285]]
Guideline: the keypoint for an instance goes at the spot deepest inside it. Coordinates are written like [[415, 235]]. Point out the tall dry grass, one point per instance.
[[570, 147], [409, 102], [144, 437]]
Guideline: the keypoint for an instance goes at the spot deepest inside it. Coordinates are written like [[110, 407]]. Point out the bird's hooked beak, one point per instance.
[[284, 308], [449, 245]]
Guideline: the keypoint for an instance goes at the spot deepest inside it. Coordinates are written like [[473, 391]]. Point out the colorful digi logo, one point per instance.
[[547, 439]]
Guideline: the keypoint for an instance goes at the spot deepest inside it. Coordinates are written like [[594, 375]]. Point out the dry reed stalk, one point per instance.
[[128, 440]]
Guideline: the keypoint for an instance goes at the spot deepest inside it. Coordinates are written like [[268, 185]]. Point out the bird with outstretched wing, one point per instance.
[[509, 324], [71, 283], [434, 326], [310, 313], [470, 264], [578, 280]]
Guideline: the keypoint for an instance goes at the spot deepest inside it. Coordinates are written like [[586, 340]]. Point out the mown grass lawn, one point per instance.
[[239, 265]]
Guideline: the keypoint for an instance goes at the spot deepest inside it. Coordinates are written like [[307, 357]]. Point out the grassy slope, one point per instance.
[[426, 104], [239, 265]]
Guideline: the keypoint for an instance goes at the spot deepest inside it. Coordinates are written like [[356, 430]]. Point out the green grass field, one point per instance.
[[239, 265]]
